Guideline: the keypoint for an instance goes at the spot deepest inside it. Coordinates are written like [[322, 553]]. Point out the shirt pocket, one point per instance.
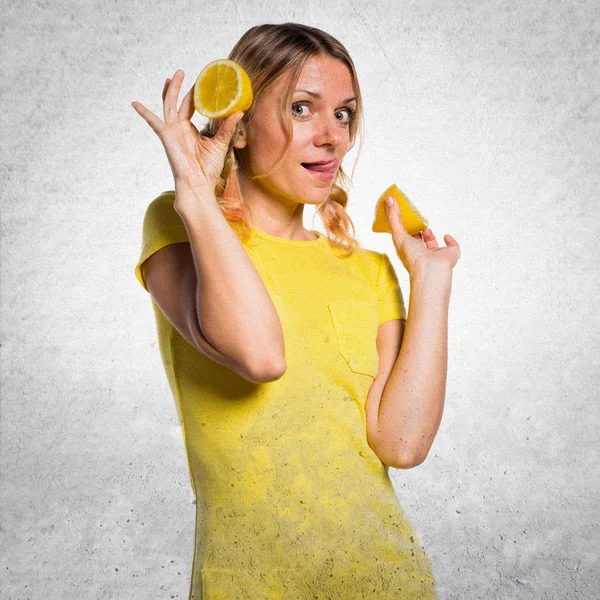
[[355, 323]]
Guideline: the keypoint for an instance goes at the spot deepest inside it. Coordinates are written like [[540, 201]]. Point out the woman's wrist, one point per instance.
[[191, 193], [425, 269]]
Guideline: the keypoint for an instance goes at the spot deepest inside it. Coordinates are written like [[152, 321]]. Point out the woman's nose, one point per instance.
[[329, 131]]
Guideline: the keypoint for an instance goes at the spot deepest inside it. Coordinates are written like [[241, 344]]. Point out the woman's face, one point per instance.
[[321, 110]]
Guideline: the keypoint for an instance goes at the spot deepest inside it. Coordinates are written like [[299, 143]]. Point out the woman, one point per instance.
[[282, 345]]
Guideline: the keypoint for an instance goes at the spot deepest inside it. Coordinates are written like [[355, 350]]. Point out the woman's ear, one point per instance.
[[240, 136]]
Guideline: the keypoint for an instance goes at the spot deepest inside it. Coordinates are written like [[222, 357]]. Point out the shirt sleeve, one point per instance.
[[162, 226], [389, 294]]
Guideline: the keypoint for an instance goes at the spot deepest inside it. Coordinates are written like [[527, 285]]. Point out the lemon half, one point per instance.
[[412, 219], [221, 89]]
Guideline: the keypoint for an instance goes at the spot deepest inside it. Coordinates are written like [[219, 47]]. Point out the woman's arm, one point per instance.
[[412, 401], [233, 307], [229, 309]]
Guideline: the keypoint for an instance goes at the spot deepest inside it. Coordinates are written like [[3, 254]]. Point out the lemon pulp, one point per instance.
[[221, 89]]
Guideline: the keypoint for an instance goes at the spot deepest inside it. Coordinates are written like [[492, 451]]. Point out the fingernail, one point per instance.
[[389, 201]]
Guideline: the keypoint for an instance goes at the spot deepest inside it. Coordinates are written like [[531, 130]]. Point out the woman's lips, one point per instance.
[[324, 170], [330, 166], [326, 175]]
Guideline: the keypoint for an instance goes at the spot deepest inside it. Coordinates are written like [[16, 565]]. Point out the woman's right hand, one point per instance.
[[195, 160]]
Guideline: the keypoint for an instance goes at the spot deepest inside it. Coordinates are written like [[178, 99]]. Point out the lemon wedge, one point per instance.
[[412, 219], [221, 89]]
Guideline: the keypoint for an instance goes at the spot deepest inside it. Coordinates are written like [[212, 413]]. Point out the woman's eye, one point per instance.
[[349, 112], [295, 106]]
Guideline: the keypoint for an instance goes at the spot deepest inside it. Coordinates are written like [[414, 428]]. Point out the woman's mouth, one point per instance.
[[322, 170]]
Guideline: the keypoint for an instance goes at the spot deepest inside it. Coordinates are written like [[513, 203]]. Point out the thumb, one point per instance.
[[394, 218], [228, 125]]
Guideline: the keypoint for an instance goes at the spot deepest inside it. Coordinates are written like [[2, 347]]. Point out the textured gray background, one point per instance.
[[485, 113]]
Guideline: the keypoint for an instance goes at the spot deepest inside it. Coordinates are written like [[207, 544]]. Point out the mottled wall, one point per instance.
[[485, 113]]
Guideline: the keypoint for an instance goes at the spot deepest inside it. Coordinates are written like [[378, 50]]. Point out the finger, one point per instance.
[[165, 88], [450, 241], [227, 127], [395, 220], [148, 116], [186, 110], [170, 103], [399, 233], [429, 238]]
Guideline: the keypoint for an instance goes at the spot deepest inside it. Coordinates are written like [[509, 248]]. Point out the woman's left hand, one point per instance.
[[422, 247]]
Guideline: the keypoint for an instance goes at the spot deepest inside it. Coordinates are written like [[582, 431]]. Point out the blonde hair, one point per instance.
[[266, 52]]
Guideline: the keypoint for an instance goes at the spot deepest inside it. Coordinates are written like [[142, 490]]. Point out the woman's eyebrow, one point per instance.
[[318, 96]]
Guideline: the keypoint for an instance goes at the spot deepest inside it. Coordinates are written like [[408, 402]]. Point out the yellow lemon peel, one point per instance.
[[412, 219]]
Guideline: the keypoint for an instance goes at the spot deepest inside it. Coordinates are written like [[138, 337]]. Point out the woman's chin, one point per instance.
[[318, 196]]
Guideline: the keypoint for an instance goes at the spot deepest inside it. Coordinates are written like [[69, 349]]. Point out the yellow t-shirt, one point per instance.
[[292, 502]]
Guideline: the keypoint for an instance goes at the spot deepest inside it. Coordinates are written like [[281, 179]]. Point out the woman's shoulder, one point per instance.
[[161, 221], [367, 256], [164, 200], [161, 209], [366, 261]]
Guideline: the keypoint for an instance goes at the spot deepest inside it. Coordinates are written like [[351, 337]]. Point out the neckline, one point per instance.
[[273, 238]]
